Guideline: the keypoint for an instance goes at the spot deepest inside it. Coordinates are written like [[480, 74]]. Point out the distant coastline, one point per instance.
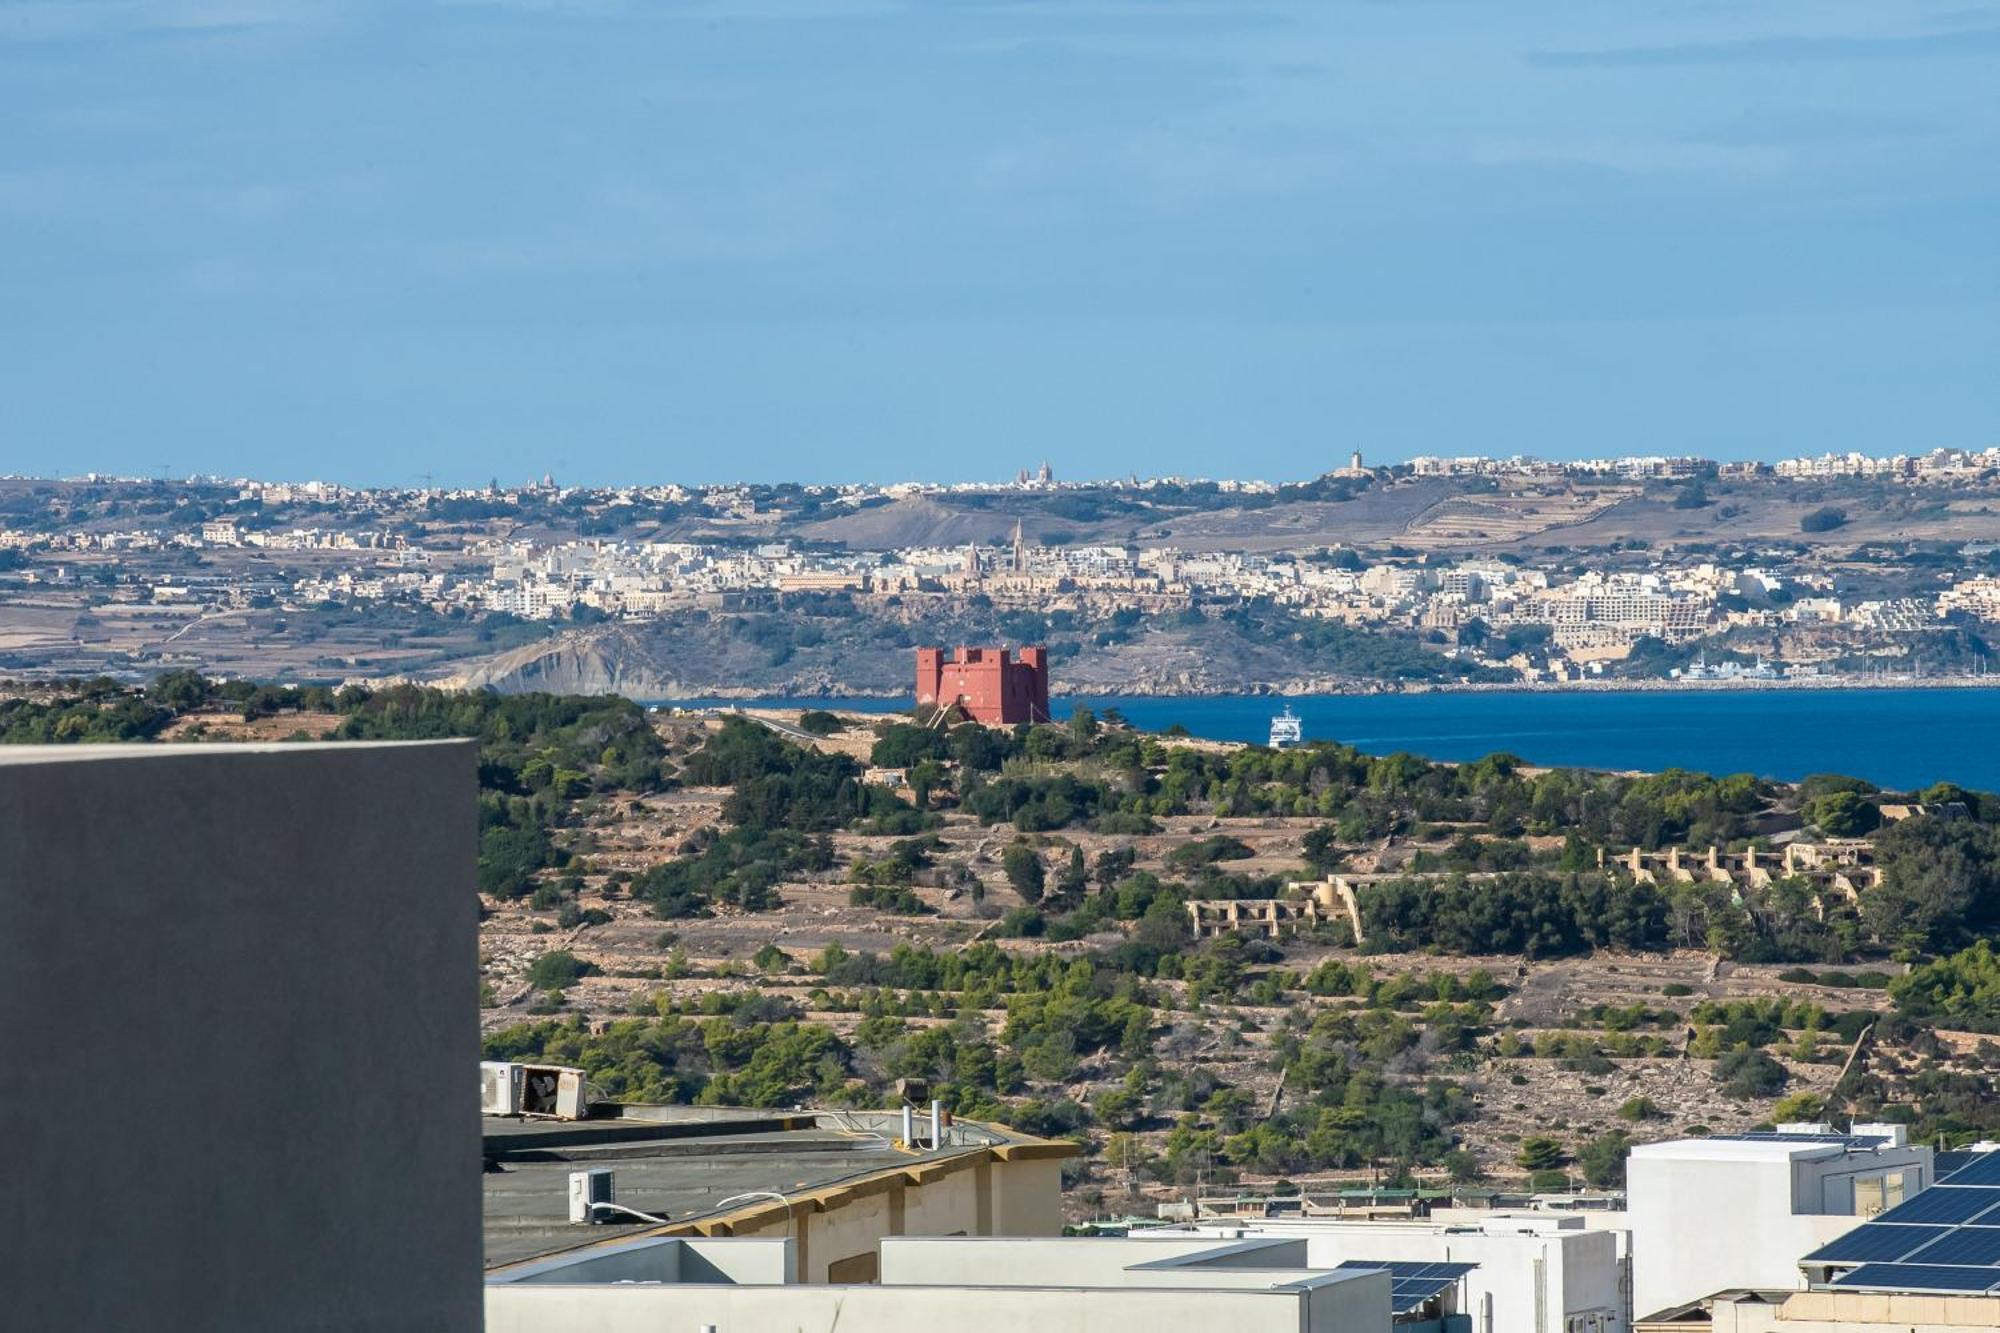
[[1901, 735], [1309, 689], [1697, 686]]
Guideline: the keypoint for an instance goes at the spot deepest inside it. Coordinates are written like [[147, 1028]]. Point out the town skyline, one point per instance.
[[1043, 472], [1460, 572]]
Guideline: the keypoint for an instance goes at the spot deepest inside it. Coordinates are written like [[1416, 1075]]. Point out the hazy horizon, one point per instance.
[[1007, 482], [865, 240]]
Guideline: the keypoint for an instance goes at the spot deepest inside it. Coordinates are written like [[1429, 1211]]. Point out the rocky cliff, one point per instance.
[[581, 662], [731, 656]]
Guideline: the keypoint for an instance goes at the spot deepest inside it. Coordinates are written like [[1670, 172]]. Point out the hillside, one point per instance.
[[834, 649], [695, 909], [1421, 513]]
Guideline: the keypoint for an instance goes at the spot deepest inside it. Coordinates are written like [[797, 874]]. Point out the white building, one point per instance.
[[1738, 1211], [1392, 583], [958, 1283], [1537, 1273], [1977, 597], [1622, 607]]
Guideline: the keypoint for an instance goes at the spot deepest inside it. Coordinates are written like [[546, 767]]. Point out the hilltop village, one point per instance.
[[1434, 573]]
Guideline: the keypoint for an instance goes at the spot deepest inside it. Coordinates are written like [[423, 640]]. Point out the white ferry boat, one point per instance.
[[1287, 729]]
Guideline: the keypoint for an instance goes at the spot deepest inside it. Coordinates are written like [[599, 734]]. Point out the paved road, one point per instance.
[[785, 729]]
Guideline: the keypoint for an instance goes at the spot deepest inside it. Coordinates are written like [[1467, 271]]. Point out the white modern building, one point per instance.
[[1929, 1265], [1536, 1272], [964, 1284], [1738, 1212]]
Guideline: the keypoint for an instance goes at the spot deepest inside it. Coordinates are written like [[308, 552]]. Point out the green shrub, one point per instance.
[[1023, 867], [1207, 851], [558, 969], [1540, 1154], [1602, 1160], [893, 898], [1747, 1072]]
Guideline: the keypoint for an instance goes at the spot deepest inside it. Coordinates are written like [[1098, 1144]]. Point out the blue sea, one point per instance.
[[1897, 738]]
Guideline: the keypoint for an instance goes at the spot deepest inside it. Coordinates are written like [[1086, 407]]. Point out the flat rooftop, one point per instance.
[[1763, 1147], [125, 750], [681, 1163]]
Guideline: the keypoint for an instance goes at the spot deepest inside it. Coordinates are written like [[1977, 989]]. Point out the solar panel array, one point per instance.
[[1948, 1162], [1411, 1282], [1982, 1170], [1772, 1136], [1941, 1278], [1944, 1239]]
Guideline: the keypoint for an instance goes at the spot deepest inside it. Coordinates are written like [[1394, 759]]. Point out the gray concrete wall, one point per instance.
[[725, 1260], [240, 992], [1341, 1303]]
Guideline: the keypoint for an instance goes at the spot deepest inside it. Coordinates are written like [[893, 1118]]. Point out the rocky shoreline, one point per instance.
[[653, 666]]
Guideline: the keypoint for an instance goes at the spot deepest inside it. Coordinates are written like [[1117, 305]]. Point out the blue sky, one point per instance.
[[831, 240]]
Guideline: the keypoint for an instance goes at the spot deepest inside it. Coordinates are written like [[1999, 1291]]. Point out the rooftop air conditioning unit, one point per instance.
[[499, 1088], [1893, 1136], [587, 1189], [553, 1091]]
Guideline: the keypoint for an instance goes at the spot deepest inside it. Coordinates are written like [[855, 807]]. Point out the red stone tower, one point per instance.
[[988, 685]]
